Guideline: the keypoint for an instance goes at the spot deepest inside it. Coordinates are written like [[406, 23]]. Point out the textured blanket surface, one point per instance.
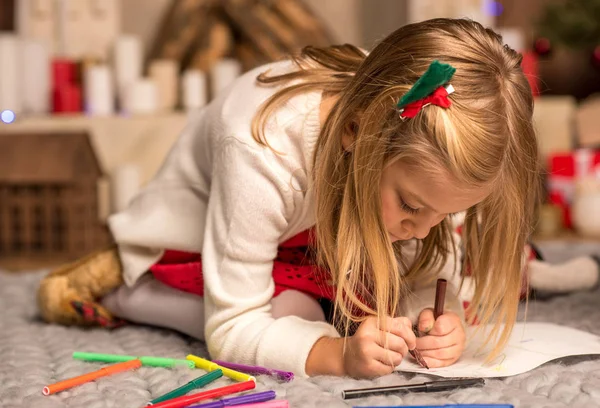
[[34, 354]]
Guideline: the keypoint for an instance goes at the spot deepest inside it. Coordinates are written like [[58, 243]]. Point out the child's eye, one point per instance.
[[406, 208]]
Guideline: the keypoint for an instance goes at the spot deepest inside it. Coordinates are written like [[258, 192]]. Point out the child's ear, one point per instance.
[[349, 135], [347, 141]]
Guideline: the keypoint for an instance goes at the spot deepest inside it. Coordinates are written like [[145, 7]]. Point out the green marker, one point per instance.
[[192, 385], [165, 362], [146, 361]]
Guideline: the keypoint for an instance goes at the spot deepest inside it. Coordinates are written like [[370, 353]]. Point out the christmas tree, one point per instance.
[[572, 23]]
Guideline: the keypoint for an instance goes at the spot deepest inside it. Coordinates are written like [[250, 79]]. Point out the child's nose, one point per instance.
[[420, 226], [421, 230]]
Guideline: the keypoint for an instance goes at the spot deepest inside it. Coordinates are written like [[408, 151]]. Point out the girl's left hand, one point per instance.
[[443, 340]]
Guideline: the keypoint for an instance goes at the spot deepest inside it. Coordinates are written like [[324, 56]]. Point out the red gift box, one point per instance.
[[564, 170]]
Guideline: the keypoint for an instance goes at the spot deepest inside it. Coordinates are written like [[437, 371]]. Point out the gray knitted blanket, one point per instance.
[[34, 354]]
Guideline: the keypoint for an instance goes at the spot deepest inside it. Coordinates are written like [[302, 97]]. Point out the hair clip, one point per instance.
[[429, 89]]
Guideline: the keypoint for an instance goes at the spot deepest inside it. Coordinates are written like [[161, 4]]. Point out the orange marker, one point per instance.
[[82, 379]]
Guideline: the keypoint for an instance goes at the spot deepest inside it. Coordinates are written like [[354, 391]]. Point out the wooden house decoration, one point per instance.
[[198, 33], [49, 197]]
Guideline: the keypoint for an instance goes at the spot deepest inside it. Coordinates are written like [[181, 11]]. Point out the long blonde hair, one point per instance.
[[485, 137]]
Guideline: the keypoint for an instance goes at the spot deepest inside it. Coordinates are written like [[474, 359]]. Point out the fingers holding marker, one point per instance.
[[429, 343], [445, 324], [392, 343], [426, 321], [429, 318], [402, 327], [389, 357], [442, 357], [379, 367]]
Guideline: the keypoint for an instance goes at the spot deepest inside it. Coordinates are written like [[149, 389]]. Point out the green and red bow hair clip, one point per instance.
[[432, 88]]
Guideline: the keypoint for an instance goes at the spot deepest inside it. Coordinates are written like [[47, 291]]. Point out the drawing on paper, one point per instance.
[[530, 345]]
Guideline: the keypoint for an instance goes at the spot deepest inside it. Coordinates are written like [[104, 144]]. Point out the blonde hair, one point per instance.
[[485, 138]]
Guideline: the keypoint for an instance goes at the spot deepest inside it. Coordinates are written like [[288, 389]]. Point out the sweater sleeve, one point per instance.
[[246, 218], [422, 296]]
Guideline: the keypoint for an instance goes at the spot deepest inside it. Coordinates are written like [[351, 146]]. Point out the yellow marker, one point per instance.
[[207, 365], [203, 364]]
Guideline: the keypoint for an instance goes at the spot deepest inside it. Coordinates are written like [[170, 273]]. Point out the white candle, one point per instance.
[[193, 89], [141, 97], [164, 72], [482, 11], [36, 76], [71, 24], [104, 18], [35, 19], [99, 98], [513, 37], [419, 10], [128, 60], [223, 73], [125, 185], [10, 74]]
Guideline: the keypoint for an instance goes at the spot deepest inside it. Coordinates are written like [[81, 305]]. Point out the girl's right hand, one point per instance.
[[372, 352]]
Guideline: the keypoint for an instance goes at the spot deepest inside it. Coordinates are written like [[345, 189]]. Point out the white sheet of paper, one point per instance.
[[531, 344]]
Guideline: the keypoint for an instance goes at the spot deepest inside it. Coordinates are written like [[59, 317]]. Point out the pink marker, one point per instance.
[[270, 404]]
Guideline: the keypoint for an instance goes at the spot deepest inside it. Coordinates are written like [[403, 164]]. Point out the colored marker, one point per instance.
[[192, 385], [202, 363], [444, 406], [82, 379], [419, 357], [146, 360], [270, 404], [440, 297], [243, 400], [210, 394], [208, 365], [432, 386], [285, 376]]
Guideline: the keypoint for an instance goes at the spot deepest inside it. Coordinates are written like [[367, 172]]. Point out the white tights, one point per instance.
[[153, 303]]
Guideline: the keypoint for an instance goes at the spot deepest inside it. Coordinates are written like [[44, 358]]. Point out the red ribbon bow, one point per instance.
[[439, 97]]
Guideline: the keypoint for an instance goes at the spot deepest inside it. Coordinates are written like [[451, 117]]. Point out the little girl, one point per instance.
[[326, 180]]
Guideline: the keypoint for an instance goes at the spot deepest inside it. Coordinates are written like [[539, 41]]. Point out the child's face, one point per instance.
[[413, 202]]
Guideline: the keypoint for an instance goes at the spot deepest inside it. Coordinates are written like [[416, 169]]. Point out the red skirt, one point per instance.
[[292, 269]]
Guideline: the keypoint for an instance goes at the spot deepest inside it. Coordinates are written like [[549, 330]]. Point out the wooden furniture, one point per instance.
[[54, 180], [49, 196], [143, 141], [7, 14]]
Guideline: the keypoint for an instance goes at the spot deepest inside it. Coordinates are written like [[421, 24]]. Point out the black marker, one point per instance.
[[433, 386]]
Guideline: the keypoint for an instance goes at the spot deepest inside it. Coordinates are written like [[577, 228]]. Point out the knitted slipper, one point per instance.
[[97, 315], [86, 280]]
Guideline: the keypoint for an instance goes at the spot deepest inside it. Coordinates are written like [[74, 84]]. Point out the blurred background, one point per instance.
[[93, 93]]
